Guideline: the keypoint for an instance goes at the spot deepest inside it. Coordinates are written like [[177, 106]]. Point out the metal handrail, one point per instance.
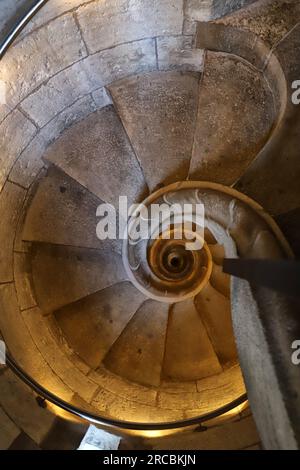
[[20, 25], [46, 394]]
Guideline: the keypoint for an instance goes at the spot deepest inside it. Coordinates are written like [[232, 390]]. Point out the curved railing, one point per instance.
[[52, 398]]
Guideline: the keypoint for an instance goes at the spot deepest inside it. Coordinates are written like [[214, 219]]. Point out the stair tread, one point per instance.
[[63, 212], [62, 274], [220, 280], [93, 324], [236, 115], [273, 178], [138, 354], [215, 312], [189, 353], [158, 111], [96, 153]]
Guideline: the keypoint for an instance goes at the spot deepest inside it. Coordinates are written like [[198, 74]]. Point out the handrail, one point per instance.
[[46, 394], [20, 25], [40, 390]]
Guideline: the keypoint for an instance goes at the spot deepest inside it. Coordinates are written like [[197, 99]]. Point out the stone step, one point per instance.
[[220, 281], [63, 212], [290, 225], [158, 111], [138, 354], [189, 353], [94, 323], [273, 178], [235, 117], [96, 152], [215, 312], [62, 275], [217, 252]]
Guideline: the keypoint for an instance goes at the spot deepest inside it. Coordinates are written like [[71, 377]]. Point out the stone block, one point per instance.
[[87, 76], [177, 53], [49, 12], [19, 402], [24, 351], [101, 98], [159, 109], [23, 280], [16, 131], [96, 153], [105, 23], [68, 373], [30, 162], [199, 10], [11, 200], [206, 10], [9, 431], [48, 50], [122, 388], [232, 436], [123, 409]]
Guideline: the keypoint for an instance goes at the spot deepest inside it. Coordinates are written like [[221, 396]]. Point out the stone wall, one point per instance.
[[70, 63]]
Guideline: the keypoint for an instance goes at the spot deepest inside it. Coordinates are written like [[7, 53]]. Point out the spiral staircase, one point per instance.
[[150, 337]]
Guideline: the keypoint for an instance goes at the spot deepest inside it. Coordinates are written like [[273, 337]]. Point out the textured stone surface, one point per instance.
[[189, 353], [11, 200], [101, 98], [271, 21], [19, 403], [230, 379], [272, 380], [274, 184], [205, 10], [220, 38], [63, 213], [48, 50], [138, 354], [87, 76], [22, 347], [114, 406], [215, 311], [220, 281], [30, 161], [177, 53], [232, 436], [64, 117], [17, 125], [159, 111], [60, 364], [199, 10], [236, 115], [92, 324], [62, 274], [49, 12], [106, 24], [23, 280], [97, 154], [9, 431], [124, 388]]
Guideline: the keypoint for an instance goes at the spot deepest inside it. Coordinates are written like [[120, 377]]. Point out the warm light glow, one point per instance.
[[62, 413]]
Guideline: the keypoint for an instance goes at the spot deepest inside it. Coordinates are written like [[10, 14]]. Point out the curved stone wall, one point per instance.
[[55, 75]]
